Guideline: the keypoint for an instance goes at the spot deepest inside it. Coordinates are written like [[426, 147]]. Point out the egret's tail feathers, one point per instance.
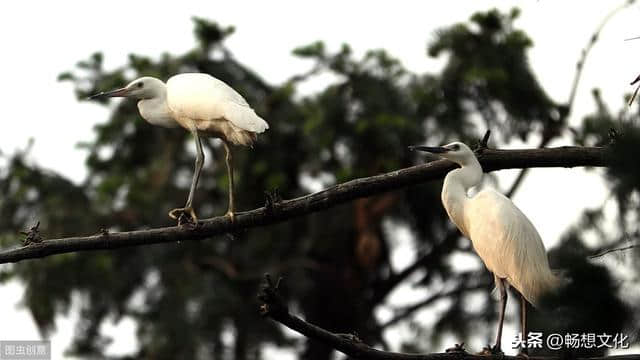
[[244, 117], [545, 284], [556, 290]]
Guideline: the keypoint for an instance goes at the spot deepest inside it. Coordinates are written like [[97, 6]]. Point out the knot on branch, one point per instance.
[[32, 236], [272, 199], [353, 338], [457, 348], [273, 304]]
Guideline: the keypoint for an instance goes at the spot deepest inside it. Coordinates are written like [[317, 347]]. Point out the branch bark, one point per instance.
[[279, 211], [275, 307]]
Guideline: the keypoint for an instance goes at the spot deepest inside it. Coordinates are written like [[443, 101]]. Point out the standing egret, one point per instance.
[[205, 106], [507, 242]]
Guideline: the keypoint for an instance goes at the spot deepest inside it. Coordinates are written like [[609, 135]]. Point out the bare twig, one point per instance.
[[587, 49], [490, 159], [385, 287], [32, 236], [574, 89], [483, 143], [612, 250], [409, 310], [635, 92]]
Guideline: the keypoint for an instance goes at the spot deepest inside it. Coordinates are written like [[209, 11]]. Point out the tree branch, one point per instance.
[[279, 211], [275, 307], [409, 310], [587, 49], [386, 286], [613, 250], [523, 173], [574, 90]]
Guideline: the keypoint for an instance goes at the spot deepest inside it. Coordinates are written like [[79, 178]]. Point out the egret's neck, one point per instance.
[[155, 109], [454, 190]]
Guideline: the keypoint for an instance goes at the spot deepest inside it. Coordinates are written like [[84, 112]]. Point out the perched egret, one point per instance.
[[507, 242], [205, 106]]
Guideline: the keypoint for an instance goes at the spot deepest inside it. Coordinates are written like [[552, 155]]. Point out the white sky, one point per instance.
[[42, 39]]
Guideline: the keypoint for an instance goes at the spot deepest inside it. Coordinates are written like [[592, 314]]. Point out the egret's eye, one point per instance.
[[455, 147], [140, 84]]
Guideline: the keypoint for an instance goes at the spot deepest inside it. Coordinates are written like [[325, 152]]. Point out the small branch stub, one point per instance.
[[457, 348], [272, 199], [32, 236], [273, 303], [483, 144], [635, 92]]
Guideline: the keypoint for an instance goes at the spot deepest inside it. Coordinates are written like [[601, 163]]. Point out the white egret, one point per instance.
[[504, 238], [205, 106]]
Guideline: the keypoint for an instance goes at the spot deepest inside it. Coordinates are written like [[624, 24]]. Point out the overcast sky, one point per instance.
[[42, 39]]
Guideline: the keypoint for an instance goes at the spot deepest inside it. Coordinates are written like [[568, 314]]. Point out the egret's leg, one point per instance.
[[188, 208], [503, 305], [523, 317], [229, 161]]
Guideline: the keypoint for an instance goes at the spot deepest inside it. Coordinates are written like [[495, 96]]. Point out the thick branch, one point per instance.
[[275, 307], [280, 211], [351, 346]]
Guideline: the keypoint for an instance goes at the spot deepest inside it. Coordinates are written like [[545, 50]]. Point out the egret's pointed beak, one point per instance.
[[430, 149], [122, 92]]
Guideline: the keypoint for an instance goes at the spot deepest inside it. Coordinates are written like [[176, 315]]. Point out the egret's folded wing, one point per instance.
[[203, 97], [509, 244], [244, 117]]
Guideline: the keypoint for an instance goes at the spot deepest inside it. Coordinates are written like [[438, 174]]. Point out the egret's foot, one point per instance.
[[457, 348], [491, 350], [231, 215], [184, 215]]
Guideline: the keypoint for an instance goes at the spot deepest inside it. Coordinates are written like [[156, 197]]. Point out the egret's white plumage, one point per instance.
[[504, 238], [509, 245], [202, 104], [189, 99]]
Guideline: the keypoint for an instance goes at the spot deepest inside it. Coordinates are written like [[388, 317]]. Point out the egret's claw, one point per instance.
[[184, 215], [231, 215], [491, 350]]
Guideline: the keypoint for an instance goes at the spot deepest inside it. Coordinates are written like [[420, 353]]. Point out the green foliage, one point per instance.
[[488, 70], [621, 133], [187, 297]]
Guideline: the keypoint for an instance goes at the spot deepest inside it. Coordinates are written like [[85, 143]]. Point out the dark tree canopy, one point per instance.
[[186, 297]]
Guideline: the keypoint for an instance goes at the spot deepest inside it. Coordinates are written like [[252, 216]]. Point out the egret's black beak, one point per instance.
[[113, 93], [430, 149]]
